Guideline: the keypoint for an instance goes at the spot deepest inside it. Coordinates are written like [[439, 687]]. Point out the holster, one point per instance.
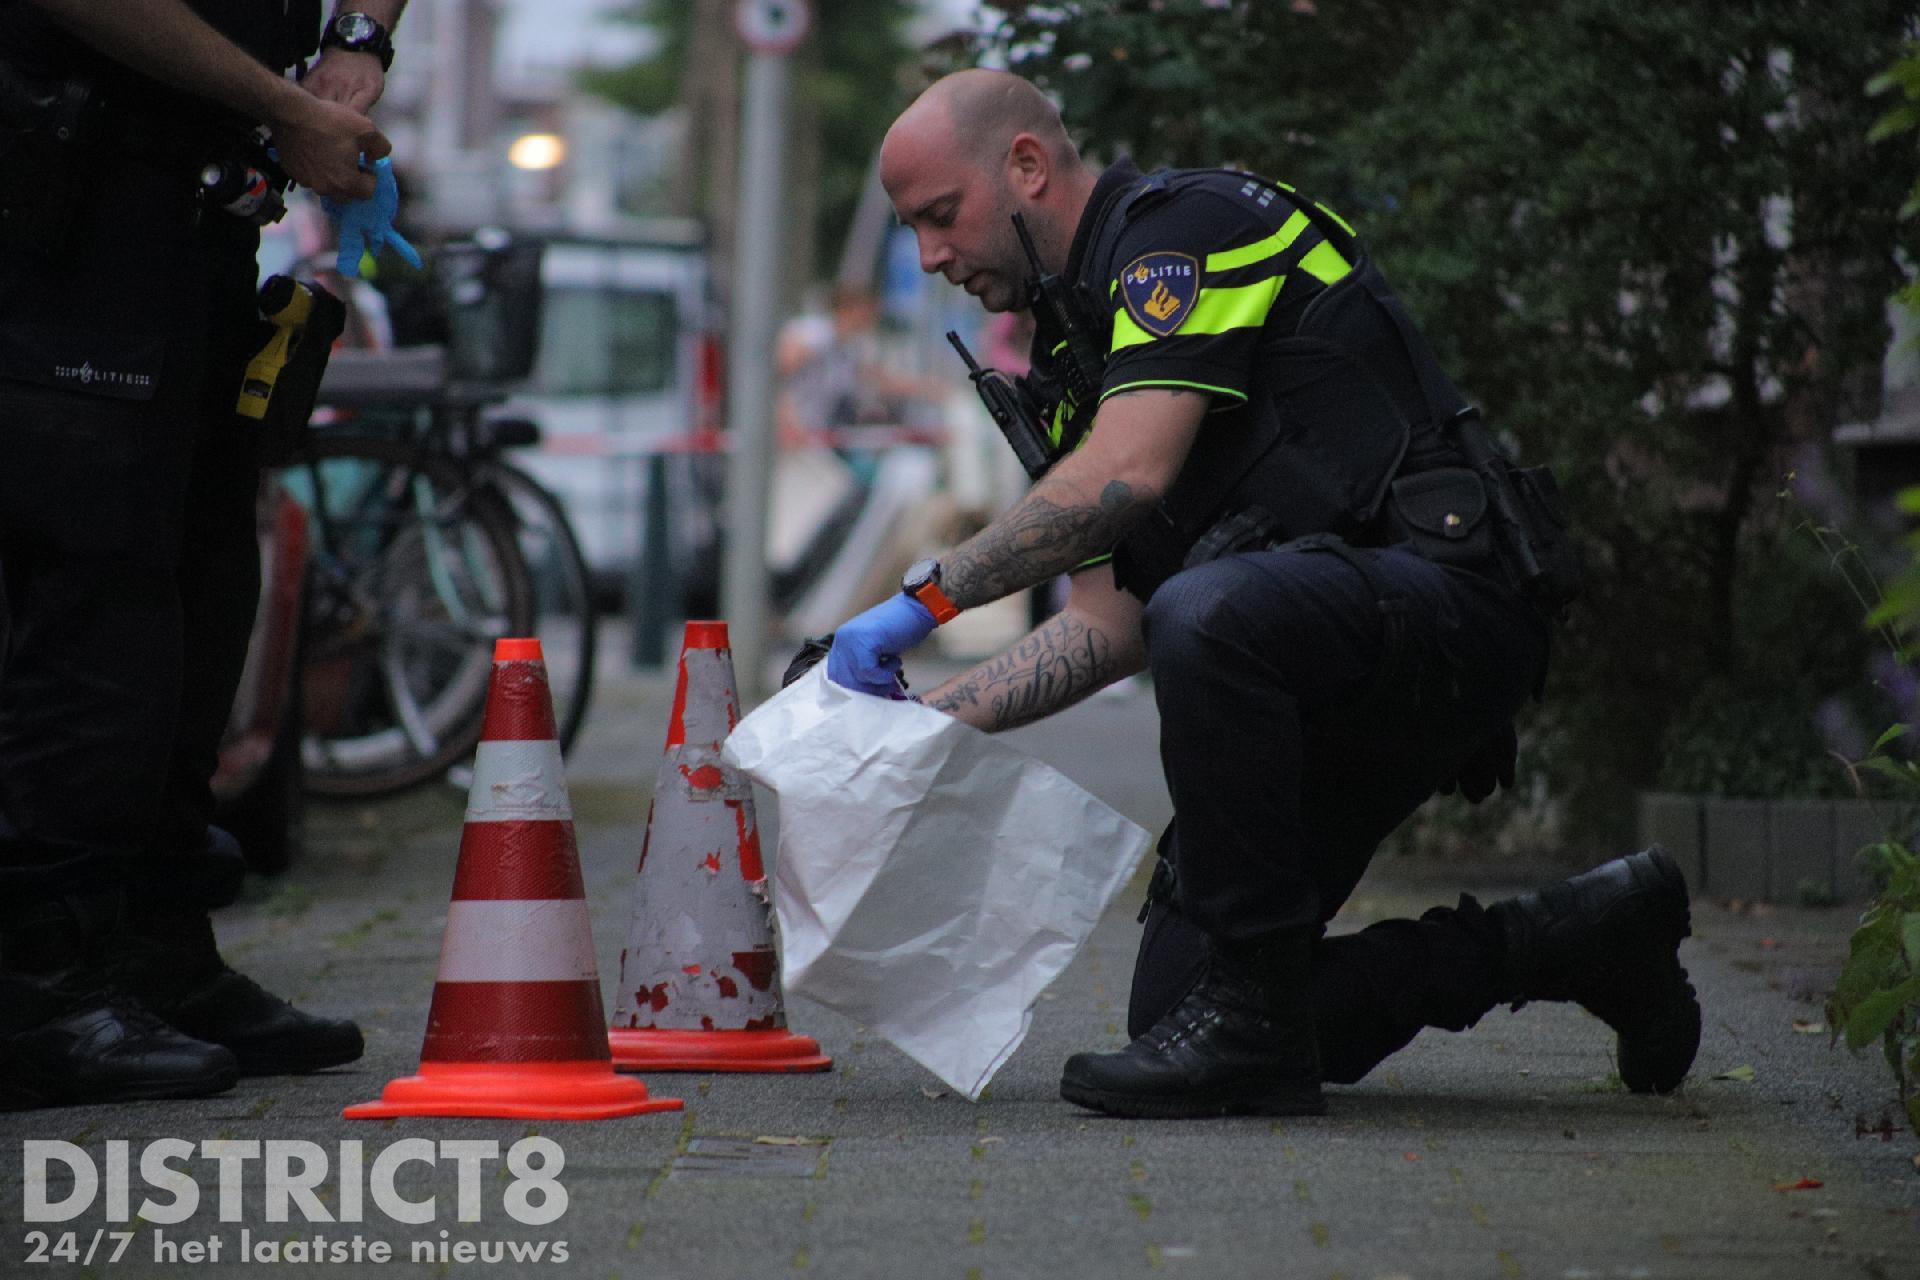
[[283, 429]]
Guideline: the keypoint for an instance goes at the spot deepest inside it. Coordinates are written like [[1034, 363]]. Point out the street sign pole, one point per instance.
[[771, 29]]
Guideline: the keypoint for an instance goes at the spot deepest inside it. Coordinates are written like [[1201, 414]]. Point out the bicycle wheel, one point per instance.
[[416, 571], [566, 617]]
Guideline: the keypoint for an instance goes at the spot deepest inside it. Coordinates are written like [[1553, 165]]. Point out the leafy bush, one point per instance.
[[1878, 994]]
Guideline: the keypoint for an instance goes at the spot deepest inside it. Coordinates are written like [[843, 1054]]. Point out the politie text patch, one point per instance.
[[1160, 289]]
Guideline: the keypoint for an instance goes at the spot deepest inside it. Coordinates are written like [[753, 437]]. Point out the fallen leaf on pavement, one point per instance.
[[928, 1091], [1742, 1074], [1805, 1184], [1806, 1028]]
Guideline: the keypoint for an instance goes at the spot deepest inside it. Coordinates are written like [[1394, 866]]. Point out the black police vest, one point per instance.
[[1338, 408]]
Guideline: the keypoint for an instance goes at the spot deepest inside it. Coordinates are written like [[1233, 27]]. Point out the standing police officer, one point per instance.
[[1267, 494], [128, 560]]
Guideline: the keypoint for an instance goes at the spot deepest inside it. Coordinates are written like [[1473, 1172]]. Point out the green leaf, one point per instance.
[[1900, 771], [1896, 122], [1896, 731], [1877, 1012], [1908, 500], [1910, 939], [1742, 1074], [1871, 954]]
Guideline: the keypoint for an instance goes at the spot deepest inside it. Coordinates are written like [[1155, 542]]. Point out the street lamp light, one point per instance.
[[537, 151]]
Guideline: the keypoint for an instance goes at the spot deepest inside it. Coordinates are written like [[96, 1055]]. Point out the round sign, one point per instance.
[[771, 26]]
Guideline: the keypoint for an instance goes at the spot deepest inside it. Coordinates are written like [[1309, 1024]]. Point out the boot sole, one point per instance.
[[1671, 883], [19, 1097], [1277, 1103], [268, 1064]]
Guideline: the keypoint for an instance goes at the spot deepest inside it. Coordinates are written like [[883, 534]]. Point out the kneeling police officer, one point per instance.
[[1268, 494], [133, 173]]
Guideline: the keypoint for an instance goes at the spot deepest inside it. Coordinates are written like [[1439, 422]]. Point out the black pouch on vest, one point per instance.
[[47, 133], [1443, 514]]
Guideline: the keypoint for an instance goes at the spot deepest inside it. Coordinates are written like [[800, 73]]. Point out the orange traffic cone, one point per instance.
[[515, 1030], [699, 982]]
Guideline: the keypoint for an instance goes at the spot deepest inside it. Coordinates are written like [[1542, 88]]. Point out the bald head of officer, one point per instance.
[[976, 148]]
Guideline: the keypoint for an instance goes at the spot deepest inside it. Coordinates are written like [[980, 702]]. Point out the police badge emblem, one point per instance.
[[1160, 289]]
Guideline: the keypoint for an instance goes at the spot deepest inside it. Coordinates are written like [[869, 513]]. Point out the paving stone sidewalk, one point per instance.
[[1507, 1151]]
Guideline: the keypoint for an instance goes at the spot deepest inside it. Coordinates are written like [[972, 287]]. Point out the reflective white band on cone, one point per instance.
[[515, 941], [517, 781]]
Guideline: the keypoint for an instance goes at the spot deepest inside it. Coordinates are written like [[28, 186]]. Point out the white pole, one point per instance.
[[754, 304]]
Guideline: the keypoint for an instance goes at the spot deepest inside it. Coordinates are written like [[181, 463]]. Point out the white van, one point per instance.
[[626, 390]]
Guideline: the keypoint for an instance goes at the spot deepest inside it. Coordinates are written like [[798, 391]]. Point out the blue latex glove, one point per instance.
[[366, 226], [866, 650]]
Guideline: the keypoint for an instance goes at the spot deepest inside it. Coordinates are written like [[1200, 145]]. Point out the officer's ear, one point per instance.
[[1029, 165]]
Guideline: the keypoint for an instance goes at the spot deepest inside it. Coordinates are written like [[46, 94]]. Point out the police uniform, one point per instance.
[[128, 552], [1320, 664]]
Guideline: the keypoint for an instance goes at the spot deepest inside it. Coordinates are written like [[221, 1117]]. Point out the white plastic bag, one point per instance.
[[931, 881]]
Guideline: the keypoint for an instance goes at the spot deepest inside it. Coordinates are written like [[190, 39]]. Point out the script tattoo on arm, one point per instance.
[[1055, 666]]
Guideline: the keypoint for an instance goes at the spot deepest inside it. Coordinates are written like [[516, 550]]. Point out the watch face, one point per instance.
[[355, 28], [920, 574]]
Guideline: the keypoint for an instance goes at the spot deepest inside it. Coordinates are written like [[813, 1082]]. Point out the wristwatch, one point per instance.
[[357, 33], [922, 582]]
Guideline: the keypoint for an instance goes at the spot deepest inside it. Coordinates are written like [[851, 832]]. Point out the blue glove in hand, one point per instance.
[[366, 226], [866, 650]]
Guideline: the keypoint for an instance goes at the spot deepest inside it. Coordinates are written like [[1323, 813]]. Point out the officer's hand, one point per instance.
[[320, 144], [811, 654], [866, 650], [366, 226], [1490, 765], [352, 79]]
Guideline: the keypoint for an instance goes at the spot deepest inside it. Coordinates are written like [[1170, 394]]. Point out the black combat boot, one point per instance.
[[68, 1036], [168, 959], [1609, 939], [1241, 1042]]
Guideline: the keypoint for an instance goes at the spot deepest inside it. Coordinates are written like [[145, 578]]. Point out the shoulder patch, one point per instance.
[[1160, 289]]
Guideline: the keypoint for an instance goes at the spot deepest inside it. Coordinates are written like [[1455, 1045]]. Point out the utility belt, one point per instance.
[[1469, 509], [60, 139]]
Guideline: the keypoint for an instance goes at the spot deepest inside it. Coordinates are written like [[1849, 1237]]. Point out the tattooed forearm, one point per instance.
[[1048, 532], [1054, 667]]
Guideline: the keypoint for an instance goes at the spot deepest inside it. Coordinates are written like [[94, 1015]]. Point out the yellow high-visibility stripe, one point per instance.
[[1324, 263], [1247, 254], [1171, 382], [1215, 311], [1344, 224], [1246, 307], [1126, 333]]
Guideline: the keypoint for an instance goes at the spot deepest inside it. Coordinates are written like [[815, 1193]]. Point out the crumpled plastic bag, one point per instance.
[[931, 880]]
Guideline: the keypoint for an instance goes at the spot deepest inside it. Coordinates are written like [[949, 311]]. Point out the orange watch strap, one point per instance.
[[942, 609]]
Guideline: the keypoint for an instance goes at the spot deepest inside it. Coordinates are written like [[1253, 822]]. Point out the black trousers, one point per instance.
[[129, 565], [1294, 740]]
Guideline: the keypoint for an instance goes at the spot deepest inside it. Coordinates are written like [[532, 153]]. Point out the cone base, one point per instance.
[[655, 1049], [513, 1091]]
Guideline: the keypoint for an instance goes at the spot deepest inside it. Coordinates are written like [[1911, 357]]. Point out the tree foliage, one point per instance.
[[845, 88], [1653, 240]]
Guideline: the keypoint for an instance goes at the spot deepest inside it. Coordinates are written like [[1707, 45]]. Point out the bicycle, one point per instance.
[[427, 545]]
